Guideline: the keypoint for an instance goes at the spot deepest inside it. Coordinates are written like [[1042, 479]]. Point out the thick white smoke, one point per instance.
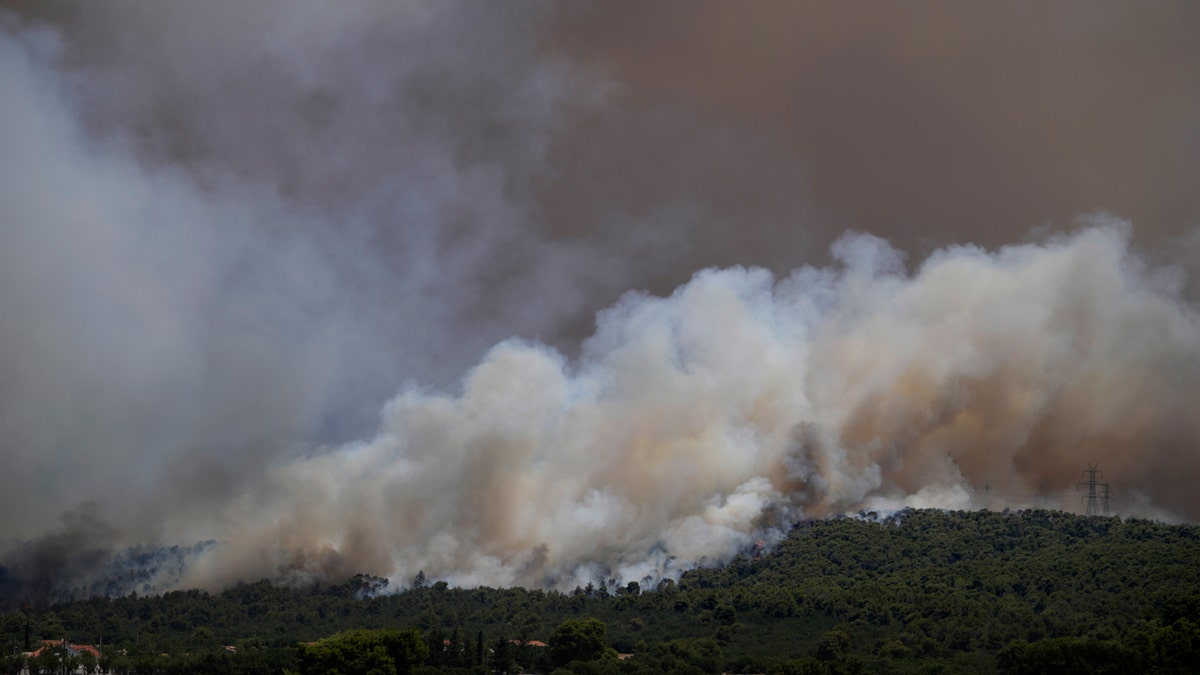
[[696, 423]]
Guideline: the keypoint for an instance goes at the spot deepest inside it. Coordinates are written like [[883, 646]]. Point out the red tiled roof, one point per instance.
[[529, 643], [57, 644]]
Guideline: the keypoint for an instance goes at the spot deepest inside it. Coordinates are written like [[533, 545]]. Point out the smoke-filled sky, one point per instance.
[[544, 292]]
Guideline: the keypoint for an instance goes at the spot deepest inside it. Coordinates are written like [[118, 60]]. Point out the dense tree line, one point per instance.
[[918, 591]]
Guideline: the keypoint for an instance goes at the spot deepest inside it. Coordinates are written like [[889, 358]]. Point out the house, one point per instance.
[[65, 648], [529, 643]]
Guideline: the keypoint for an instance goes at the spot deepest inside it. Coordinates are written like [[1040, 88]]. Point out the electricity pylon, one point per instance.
[[1105, 494], [1090, 499]]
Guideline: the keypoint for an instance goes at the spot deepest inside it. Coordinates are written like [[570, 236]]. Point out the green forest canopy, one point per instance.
[[921, 589]]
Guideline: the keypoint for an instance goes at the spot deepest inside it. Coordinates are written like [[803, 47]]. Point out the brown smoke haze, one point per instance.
[[635, 285]]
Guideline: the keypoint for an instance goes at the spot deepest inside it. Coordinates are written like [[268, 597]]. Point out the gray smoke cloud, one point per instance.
[[215, 251], [229, 231]]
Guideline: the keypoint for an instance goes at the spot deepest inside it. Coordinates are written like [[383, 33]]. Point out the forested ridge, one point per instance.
[[917, 591]]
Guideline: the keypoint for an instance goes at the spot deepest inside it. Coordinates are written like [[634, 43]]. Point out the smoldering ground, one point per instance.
[[231, 230]]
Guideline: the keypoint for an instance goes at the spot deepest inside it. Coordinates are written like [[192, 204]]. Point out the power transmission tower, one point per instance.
[[1090, 499], [1105, 493]]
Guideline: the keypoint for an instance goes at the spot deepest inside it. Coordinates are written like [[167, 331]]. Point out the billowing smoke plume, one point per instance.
[[229, 231], [693, 423], [213, 253]]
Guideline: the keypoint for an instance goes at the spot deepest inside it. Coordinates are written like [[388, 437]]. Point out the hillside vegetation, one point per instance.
[[918, 591]]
